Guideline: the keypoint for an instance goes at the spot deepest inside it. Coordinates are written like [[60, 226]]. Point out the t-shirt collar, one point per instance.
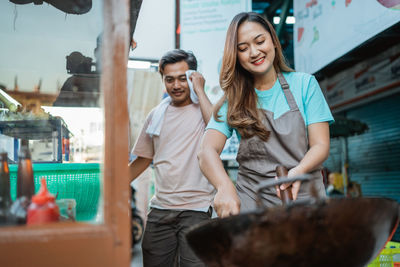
[[268, 93]]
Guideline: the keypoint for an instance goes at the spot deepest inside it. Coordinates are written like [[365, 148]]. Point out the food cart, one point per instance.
[[106, 243]]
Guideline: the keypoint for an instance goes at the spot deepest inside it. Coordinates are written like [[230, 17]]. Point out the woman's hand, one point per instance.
[[293, 187], [318, 140], [226, 201]]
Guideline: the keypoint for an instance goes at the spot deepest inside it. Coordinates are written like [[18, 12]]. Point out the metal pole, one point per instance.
[[177, 24], [282, 21], [343, 141]]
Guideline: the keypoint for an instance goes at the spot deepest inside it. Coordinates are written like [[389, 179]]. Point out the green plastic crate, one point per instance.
[[80, 181], [389, 256]]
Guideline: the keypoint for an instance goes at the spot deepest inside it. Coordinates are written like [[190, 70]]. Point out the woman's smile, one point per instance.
[[259, 61]]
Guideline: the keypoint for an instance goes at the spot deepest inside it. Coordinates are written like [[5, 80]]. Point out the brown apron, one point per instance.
[[287, 145]]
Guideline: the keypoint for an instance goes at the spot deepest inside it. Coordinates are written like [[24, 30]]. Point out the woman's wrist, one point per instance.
[[224, 184], [298, 170]]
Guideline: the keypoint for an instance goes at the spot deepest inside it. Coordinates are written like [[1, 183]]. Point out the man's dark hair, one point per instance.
[[175, 56]]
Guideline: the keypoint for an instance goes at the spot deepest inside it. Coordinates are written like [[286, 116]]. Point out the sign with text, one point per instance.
[[371, 79], [326, 30], [203, 25]]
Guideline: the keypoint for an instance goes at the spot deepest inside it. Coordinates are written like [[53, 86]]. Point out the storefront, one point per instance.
[[356, 61], [373, 157], [369, 93]]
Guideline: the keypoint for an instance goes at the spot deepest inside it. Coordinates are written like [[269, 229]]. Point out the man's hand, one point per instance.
[[198, 82], [226, 201], [206, 107]]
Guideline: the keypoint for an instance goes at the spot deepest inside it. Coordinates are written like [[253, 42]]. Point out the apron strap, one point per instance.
[[287, 92]]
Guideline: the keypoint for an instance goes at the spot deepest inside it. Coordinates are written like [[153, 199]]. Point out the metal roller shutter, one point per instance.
[[373, 157]]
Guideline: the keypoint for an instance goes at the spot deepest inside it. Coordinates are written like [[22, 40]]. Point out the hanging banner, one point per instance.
[[326, 30], [203, 25], [374, 78]]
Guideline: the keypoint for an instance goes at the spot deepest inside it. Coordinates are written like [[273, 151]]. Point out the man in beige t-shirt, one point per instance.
[[170, 138]]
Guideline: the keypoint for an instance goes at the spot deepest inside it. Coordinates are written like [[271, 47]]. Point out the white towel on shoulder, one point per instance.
[[154, 127], [156, 121]]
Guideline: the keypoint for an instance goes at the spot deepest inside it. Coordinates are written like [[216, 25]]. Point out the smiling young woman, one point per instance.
[[280, 116]]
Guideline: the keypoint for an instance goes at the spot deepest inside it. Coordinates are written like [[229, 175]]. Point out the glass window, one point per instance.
[[50, 98]]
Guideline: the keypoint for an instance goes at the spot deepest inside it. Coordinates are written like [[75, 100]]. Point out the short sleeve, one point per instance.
[[144, 144], [221, 126], [316, 108]]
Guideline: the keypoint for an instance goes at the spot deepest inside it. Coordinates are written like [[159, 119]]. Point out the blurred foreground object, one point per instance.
[[5, 197], [77, 7]]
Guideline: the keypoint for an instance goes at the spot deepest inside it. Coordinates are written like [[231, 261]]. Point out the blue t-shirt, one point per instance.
[[306, 92]]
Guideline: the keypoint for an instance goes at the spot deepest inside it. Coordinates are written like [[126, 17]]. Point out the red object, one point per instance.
[[312, 3], [43, 208], [389, 3], [300, 32], [65, 148]]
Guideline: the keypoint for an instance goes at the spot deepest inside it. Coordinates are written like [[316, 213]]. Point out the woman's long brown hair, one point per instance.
[[238, 84]]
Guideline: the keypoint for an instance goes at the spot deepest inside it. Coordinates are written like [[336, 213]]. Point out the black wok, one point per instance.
[[331, 232]]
